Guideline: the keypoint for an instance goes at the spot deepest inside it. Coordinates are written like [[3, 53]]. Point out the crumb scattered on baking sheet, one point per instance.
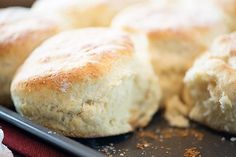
[[148, 134], [161, 135], [52, 132], [192, 152], [223, 139], [197, 134], [169, 133], [233, 139], [153, 140], [142, 145], [108, 150]]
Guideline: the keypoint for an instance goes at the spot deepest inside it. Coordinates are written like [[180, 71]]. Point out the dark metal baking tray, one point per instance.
[[159, 139]]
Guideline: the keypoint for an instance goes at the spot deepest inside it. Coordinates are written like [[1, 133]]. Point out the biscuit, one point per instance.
[[177, 34], [80, 13], [229, 8], [91, 82], [210, 86], [21, 32]]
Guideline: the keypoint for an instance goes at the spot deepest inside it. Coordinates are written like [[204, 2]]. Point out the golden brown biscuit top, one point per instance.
[[218, 66], [228, 5], [220, 57], [154, 19], [65, 8], [17, 24], [80, 5], [75, 55], [80, 13]]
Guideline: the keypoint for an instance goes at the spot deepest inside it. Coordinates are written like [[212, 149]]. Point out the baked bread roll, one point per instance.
[[87, 83], [81, 13], [177, 33], [229, 8], [20, 32], [210, 86]]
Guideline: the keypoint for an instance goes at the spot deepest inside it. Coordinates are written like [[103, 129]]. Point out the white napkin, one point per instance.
[[4, 151]]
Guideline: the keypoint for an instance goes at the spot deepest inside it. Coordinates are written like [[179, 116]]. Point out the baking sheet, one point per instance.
[[159, 139]]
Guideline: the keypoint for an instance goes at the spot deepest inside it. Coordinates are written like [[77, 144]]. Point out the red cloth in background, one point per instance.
[[27, 145]]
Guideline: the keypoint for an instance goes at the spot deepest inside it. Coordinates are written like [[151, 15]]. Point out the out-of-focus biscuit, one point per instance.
[[20, 33]]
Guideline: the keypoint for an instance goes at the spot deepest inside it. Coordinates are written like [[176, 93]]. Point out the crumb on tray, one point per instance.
[[192, 152]]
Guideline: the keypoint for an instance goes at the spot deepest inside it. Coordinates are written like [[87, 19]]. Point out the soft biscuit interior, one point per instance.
[[209, 87]]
